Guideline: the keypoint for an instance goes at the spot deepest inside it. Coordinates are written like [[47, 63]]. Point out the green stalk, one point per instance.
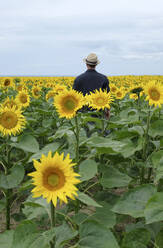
[[144, 156], [159, 114], [52, 212], [8, 208], [8, 192], [77, 138], [138, 101]]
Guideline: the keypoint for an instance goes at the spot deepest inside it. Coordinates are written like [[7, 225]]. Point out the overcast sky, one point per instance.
[[51, 37]]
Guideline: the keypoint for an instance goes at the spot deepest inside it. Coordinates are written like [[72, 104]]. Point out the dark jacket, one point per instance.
[[90, 81]]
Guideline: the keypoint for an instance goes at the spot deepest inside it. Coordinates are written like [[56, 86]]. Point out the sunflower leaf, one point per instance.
[[13, 179], [87, 200]]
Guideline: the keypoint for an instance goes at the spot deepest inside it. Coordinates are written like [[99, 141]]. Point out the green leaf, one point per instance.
[[128, 132], [63, 234], [80, 217], [27, 143], [134, 201], [94, 235], [159, 239], [106, 145], [154, 208], [50, 147], [161, 143], [43, 239], [61, 132], [156, 128], [109, 178], [34, 207], [2, 203], [46, 123], [6, 239], [24, 235], [87, 200], [156, 157], [87, 169], [159, 171], [136, 129], [137, 238], [13, 179], [104, 216]]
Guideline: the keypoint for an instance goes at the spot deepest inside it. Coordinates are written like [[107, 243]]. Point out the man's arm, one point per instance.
[[76, 85], [106, 85]]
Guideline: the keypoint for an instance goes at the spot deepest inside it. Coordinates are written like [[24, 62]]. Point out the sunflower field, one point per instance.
[[75, 175]]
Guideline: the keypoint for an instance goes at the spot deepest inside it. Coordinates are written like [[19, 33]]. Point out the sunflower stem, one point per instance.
[[8, 192], [144, 156], [159, 113], [138, 102], [8, 208], [52, 212], [77, 138]]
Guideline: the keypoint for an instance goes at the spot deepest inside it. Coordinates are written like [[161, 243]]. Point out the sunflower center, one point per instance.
[[113, 89], [53, 180], [154, 94], [100, 100], [7, 82], [69, 104], [36, 92], [119, 94], [23, 98], [20, 87], [8, 120]]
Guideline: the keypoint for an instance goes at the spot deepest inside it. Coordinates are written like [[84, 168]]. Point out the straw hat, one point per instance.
[[91, 59]]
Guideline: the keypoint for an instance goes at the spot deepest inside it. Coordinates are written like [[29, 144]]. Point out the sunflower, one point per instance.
[[68, 102], [11, 121], [154, 92], [23, 98], [134, 96], [120, 94], [7, 82], [54, 178], [59, 88], [99, 99], [36, 92], [113, 88], [21, 87], [11, 103], [50, 94]]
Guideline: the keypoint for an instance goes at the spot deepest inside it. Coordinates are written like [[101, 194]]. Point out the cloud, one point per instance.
[[43, 36]]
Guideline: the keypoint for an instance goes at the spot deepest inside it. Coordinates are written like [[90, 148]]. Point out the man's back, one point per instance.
[[90, 81]]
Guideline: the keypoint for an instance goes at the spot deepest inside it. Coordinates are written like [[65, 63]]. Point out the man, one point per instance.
[[91, 80]]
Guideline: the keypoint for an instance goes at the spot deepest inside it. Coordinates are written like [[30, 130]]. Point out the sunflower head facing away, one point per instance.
[[11, 121], [54, 178], [68, 102], [99, 99], [154, 92]]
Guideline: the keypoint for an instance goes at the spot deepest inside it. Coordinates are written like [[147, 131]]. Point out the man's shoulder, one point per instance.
[[102, 75], [82, 75]]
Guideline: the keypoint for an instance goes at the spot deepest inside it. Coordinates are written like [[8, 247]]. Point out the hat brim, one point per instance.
[[91, 63]]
